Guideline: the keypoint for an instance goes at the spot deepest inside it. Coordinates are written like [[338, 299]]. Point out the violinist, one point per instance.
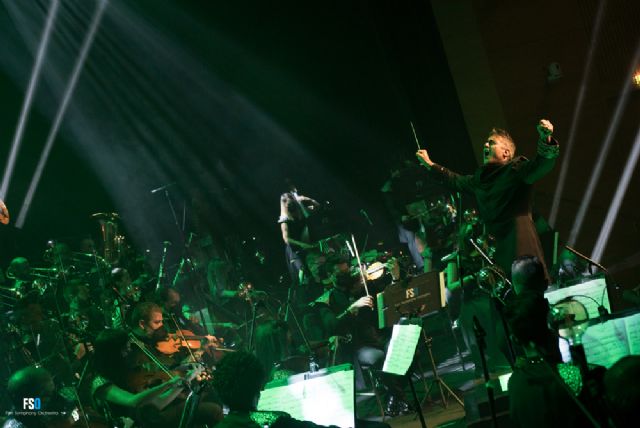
[[295, 210], [170, 301], [158, 403], [171, 349], [148, 323], [342, 312]]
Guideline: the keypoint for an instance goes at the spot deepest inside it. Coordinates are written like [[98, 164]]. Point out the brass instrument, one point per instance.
[[44, 273], [113, 241]]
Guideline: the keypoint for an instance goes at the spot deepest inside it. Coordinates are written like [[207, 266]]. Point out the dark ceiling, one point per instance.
[[228, 100]]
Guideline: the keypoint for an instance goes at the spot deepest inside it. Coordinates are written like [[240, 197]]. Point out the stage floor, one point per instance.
[[463, 382]]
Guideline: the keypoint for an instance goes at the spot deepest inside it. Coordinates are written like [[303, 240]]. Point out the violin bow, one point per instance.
[[148, 353], [362, 275], [181, 335]]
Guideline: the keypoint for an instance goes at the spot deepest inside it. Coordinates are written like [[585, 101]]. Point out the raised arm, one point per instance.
[[309, 203], [547, 153], [454, 181]]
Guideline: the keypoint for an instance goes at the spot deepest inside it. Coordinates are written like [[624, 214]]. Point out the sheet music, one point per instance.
[[606, 343], [633, 333], [284, 399], [402, 347], [596, 289], [324, 400]]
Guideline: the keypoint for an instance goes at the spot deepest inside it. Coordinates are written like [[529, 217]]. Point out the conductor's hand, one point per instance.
[[545, 130], [424, 158], [365, 301]]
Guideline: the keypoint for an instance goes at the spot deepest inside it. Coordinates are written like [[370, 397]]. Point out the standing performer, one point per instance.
[[503, 188], [295, 209]]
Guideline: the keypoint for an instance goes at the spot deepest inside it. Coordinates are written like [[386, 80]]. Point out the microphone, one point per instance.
[[366, 216], [158, 189]]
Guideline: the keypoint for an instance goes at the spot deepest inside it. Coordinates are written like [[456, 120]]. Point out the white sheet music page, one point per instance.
[[402, 347]]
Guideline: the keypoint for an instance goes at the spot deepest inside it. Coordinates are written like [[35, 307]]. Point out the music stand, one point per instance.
[[420, 296]]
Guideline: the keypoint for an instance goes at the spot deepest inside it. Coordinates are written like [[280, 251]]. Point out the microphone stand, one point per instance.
[[590, 261], [161, 272], [173, 213], [252, 329], [499, 303], [313, 366], [460, 240], [480, 334], [165, 190]]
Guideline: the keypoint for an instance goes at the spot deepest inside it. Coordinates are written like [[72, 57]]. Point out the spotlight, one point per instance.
[[636, 79]]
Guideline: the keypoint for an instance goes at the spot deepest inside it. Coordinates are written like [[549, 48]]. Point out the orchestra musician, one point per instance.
[[19, 272], [134, 379], [344, 312], [33, 381], [404, 186], [295, 209], [171, 304]]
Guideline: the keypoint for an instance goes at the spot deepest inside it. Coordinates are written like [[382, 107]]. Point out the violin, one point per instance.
[[148, 371], [375, 271], [187, 339]]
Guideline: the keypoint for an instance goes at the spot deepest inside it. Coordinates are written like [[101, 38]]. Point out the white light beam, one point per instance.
[[26, 106], [566, 155], [604, 151], [612, 215], [53, 132]]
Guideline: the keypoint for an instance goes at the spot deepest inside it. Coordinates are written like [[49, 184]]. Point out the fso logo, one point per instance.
[[31, 403]]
